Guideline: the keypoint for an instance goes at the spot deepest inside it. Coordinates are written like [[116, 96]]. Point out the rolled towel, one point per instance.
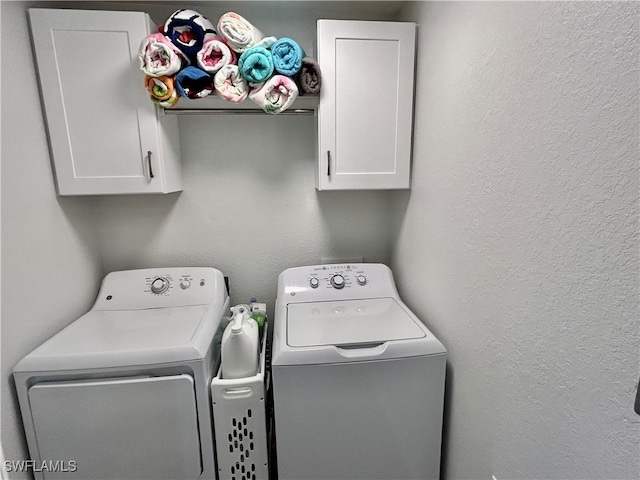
[[214, 55], [266, 42], [169, 102], [159, 57], [275, 95], [230, 85], [160, 88], [256, 64], [287, 56], [188, 30], [238, 32], [308, 78], [191, 82]]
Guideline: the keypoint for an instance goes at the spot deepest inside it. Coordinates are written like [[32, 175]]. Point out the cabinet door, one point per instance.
[[365, 115], [104, 131]]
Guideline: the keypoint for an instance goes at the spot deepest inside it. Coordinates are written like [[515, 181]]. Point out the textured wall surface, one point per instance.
[[519, 245], [51, 262]]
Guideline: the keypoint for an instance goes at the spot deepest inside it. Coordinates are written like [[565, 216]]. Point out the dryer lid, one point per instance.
[[103, 339], [349, 323]]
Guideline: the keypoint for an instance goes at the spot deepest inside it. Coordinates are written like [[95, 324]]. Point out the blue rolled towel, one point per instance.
[[287, 56], [191, 82], [256, 64]]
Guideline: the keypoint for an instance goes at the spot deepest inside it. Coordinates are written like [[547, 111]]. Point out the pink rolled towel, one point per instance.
[[275, 95], [214, 55]]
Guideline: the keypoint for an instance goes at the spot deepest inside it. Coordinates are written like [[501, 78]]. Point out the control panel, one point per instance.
[[336, 281], [168, 287], [164, 283]]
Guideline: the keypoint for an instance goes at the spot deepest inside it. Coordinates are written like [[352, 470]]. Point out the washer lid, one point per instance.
[[349, 323], [102, 339]]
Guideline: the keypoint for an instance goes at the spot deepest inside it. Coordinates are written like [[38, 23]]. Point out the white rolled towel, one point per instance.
[[159, 57], [230, 85], [238, 32]]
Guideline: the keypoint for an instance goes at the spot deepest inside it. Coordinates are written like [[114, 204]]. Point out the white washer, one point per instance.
[[358, 380], [123, 392]]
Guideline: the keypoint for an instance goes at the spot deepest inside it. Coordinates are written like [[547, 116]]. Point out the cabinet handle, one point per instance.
[[328, 163], [149, 164]]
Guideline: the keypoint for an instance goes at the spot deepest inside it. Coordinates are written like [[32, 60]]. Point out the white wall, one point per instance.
[[51, 264], [519, 244]]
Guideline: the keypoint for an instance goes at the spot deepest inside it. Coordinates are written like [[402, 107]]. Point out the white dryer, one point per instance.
[[358, 380], [123, 392]]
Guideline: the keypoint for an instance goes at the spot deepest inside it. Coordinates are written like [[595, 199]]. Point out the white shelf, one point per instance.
[[214, 105]]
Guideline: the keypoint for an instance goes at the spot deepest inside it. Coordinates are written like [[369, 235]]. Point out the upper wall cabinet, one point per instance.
[[365, 114], [106, 136]]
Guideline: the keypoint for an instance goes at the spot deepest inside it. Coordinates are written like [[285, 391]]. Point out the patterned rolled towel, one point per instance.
[[169, 102], [159, 57], [239, 33], [160, 88], [275, 95], [214, 55], [256, 64], [308, 78], [287, 56], [191, 82], [230, 85], [188, 30]]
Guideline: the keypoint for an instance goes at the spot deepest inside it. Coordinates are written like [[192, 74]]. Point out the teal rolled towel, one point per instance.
[[287, 56], [256, 64]]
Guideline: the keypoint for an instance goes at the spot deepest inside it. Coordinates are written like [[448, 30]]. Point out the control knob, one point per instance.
[[361, 279], [314, 282], [337, 281], [159, 285]]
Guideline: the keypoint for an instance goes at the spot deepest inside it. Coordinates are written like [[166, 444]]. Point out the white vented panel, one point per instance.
[[240, 426], [241, 444]]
